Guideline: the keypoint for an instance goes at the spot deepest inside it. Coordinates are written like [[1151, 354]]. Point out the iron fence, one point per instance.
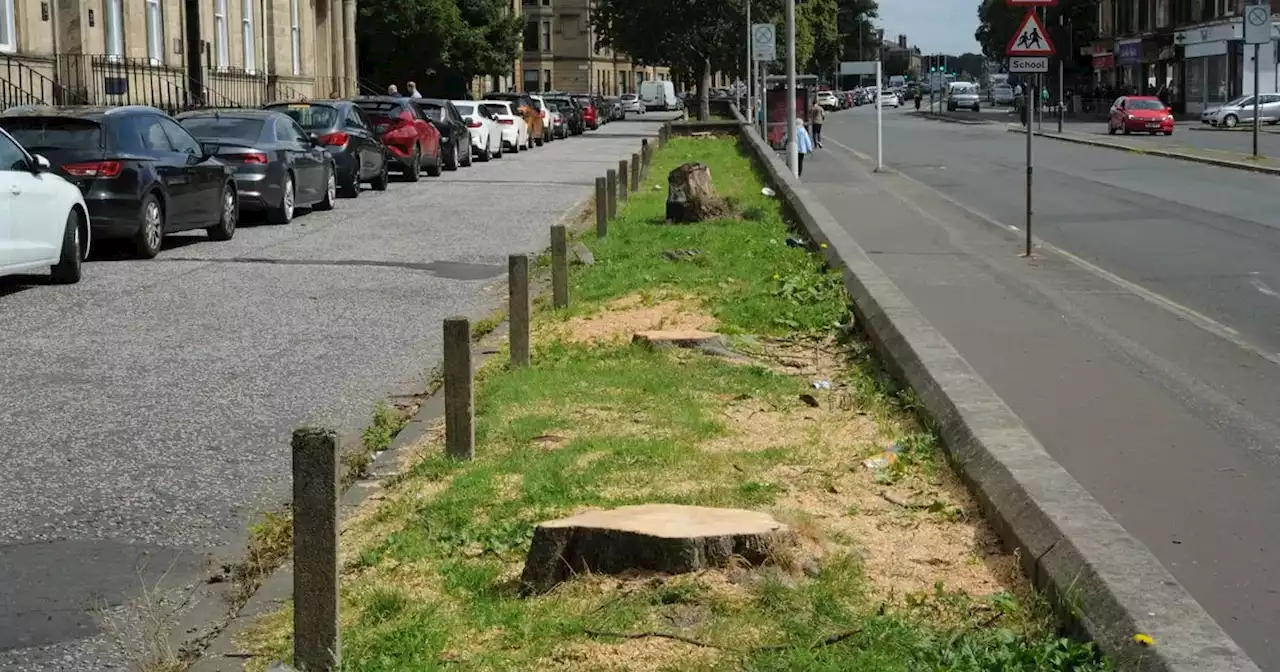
[[22, 84]]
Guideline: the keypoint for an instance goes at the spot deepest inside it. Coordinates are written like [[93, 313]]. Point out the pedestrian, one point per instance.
[[804, 145], [393, 91], [413, 90], [817, 115]]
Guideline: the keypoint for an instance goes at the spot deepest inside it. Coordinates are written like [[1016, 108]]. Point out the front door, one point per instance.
[[204, 176], [308, 160]]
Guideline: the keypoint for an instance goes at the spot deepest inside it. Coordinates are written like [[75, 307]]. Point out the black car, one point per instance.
[[614, 105], [455, 139], [572, 111], [142, 174], [347, 133], [279, 168]]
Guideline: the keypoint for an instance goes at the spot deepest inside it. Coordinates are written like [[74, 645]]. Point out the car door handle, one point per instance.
[[15, 190]]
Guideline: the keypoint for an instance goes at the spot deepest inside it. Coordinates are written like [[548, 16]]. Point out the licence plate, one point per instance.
[[1153, 125]]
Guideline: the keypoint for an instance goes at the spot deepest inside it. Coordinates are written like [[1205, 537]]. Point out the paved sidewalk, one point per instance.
[[1170, 427]]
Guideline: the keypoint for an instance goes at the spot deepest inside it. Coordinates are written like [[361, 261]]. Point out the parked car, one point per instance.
[[347, 134], [1241, 109], [522, 105], [486, 136], [614, 105], [545, 112], [455, 139], [660, 95], [515, 131], [632, 103], [46, 222], [827, 100], [963, 94], [1143, 114], [1002, 94], [570, 108], [590, 113], [412, 142], [142, 175], [559, 121], [278, 167], [889, 99]]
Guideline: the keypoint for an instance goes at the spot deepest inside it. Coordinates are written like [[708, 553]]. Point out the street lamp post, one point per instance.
[[793, 154]]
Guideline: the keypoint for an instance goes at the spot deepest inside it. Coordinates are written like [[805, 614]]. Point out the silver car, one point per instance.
[[1002, 94], [963, 94], [1241, 109], [632, 103]]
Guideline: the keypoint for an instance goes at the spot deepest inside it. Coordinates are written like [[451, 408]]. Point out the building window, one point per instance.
[[220, 33], [531, 36], [530, 80], [546, 80], [155, 32], [115, 28], [246, 24], [295, 26], [8, 36], [546, 36]]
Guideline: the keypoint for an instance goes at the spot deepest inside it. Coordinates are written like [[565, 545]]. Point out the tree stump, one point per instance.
[[666, 538], [691, 197]]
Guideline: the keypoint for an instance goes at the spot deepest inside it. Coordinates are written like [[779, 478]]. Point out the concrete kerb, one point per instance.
[[222, 654], [1103, 580], [1181, 156]]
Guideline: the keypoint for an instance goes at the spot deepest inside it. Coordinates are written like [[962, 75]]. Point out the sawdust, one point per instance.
[[622, 318], [631, 655]]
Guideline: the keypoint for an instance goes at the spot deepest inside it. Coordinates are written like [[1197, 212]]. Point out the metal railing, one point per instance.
[[20, 84]]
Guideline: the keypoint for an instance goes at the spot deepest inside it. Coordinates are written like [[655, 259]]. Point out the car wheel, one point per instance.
[[67, 270], [485, 153], [383, 179], [330, 190], [228, 213], [414, 170], [283, 213], [1230, 121], [515, 146], [454, 161], [151, 232], [467, 156], [350, 187], [436, 166], [1168, 132]]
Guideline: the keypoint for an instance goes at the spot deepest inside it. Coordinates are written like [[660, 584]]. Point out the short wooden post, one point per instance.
[[518, 308], [623, 180], [559, 266], [635, 172], [459, 396], [645, 157], [602, 207], [611, 178], [662, 140], [316, 643]]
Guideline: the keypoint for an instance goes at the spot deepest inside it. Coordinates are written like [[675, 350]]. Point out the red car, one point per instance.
[[412, 142], [1140, 114], [590, 114]]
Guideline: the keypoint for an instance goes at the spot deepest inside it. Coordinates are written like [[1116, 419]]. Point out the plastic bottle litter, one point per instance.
[[821, 384], [768, 192]]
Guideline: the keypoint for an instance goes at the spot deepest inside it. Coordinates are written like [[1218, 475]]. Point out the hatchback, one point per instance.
[[141, 173], [1141, 114], [455, 139], [590, 111], [347, 133], [1241, 110], [412, 142], [44, 224]]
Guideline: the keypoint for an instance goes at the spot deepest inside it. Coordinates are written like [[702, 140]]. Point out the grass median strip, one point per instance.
[[894, 569]]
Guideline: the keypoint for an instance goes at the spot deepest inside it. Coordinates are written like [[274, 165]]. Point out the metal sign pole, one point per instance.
[[748, 75], [1256, 97], [879, 124], [793, 160], [1027, 250]]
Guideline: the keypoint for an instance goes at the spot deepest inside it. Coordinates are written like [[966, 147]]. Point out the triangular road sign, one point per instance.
[[1031, 39]]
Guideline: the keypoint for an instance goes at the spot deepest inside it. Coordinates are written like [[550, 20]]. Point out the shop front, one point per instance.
[[1218, 66], [1104, 64], [1129, 65]]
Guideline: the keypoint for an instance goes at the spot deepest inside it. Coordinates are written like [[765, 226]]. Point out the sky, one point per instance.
[[944, 26]]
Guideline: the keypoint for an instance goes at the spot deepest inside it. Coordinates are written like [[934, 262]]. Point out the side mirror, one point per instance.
[[315, 140], [42, 164]]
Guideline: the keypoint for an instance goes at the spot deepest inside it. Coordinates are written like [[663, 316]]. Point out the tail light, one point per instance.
[[253, 158], [334, 139], [474, 124], [94, 169], [507, 122]]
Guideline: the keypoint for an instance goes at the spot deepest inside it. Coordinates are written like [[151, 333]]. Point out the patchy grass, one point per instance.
[[894, 569]]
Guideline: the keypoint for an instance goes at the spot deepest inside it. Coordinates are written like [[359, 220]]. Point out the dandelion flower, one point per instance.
[[822, 245], [1144, 640]]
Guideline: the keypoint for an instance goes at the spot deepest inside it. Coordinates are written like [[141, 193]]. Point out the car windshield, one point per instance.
[[232, 128], [41, 133], [466, 109], [310, 117], [1241, 101], [1145, 105], [432, 111]]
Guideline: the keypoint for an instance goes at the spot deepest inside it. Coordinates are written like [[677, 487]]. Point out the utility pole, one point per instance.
[[749, 74], [879, 104], [793, 155]]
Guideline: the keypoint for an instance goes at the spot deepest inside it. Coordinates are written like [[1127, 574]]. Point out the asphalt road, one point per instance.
[[146, 411], [1157, 396]]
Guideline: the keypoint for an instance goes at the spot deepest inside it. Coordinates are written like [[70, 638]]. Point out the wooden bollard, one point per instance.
[[559, 266], [623, 180], [635, 172], [316, 635], [645, 158], [459, 395], [611, 178], [518, 309], [602, 207]]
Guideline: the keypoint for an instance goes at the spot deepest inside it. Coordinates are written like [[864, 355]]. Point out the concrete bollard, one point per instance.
[[316, 643], [602, 207], [623, 180], [459, 395], [611, 179], [518, 309], [635, 172], [559, 266]]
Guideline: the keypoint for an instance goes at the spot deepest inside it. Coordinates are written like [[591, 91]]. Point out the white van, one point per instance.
[[659, 95]]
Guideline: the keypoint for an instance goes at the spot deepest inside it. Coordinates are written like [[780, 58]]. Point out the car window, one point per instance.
[[431, 111], [231, 128], [179, 138], [356, 116], [149, 134], [466, 109], [43, 133], [1270, 98], [1145, 105], [317, 117], [288, 131], [11, 155]]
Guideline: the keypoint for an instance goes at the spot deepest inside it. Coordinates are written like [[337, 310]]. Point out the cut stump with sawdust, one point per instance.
[[691, 196], [666, 538]]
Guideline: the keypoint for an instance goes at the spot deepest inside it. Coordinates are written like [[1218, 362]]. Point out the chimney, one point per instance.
[[902, 41]]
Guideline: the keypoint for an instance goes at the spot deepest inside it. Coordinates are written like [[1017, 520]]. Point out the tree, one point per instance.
[[998, 21]]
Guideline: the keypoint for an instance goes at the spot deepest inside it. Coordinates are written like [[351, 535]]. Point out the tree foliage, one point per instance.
[[998, 21], [441, 44]]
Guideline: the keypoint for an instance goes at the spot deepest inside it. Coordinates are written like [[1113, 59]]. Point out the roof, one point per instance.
[[95, 112]]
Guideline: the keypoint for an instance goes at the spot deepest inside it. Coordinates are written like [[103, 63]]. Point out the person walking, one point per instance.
[[413, 90], [393, 91], [804, 145], [817, 115]]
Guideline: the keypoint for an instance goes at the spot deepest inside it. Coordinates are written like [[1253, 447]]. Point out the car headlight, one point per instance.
[[1132, 118], [1169, 118]]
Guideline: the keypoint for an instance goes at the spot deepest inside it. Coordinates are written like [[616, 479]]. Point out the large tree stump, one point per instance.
[[666, 538], [691, 197]]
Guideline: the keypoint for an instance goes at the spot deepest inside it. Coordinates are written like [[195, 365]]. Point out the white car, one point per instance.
[[632, 103], [890, 99], [44, 223], [486, 137], [827, 100], [515, 132], [545, 112]]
